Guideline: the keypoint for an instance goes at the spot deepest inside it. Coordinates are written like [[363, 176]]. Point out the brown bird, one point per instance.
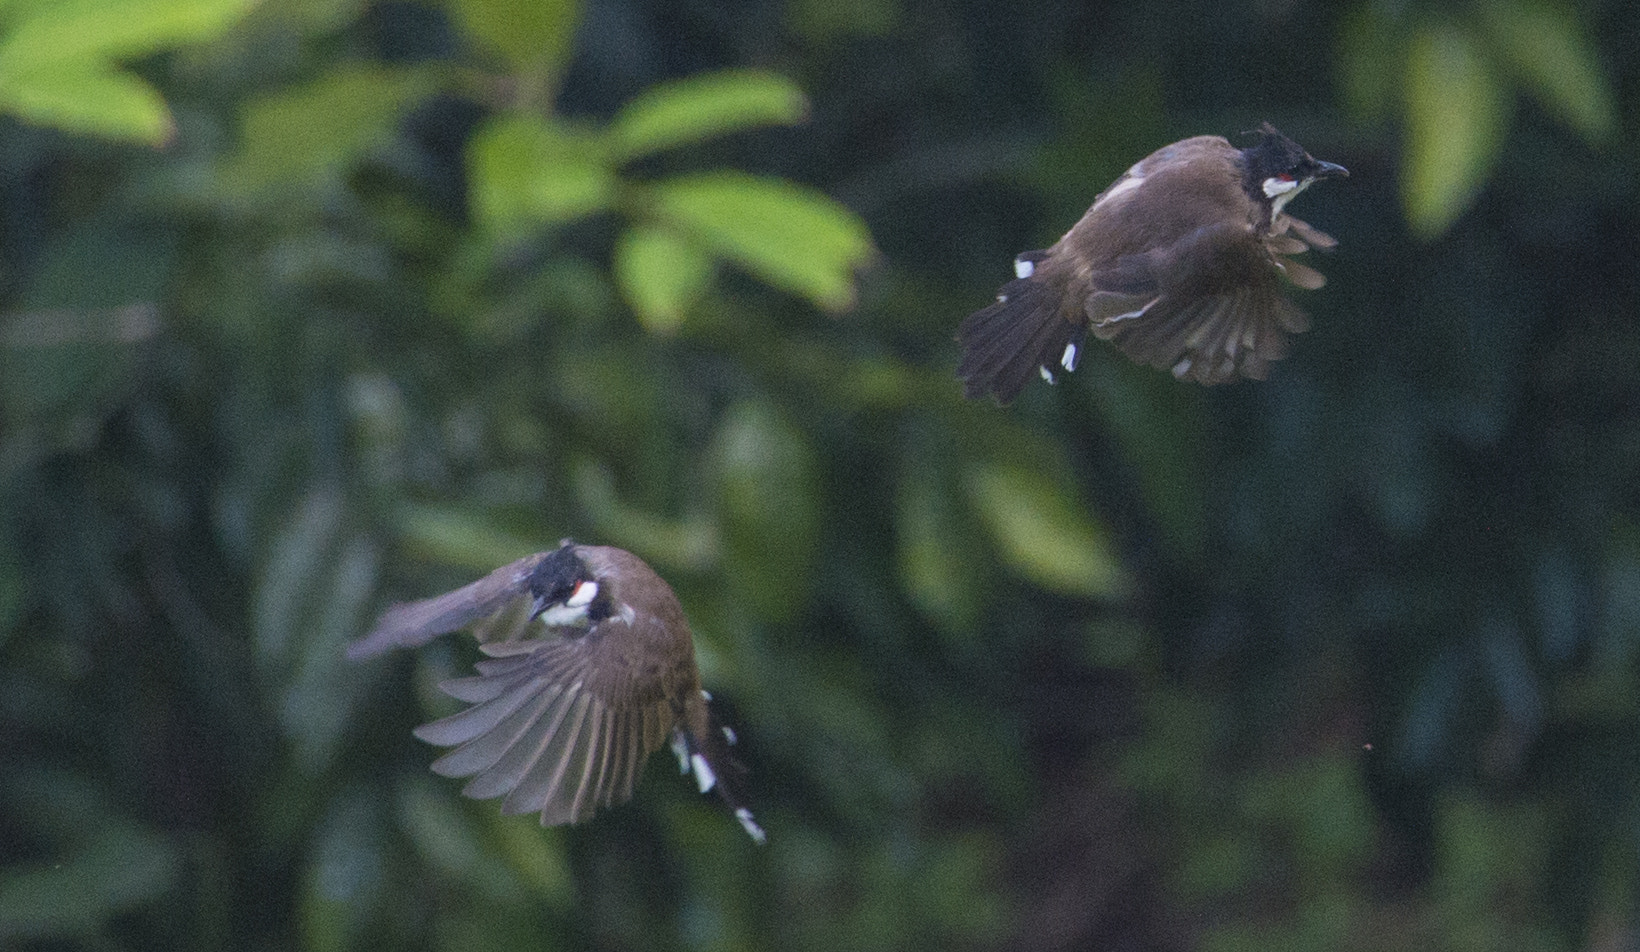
[[591, 669], [1178, 263]]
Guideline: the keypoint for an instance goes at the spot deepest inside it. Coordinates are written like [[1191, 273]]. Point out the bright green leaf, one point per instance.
[[1043, 533], [661, 275], [792, 237], [316, 129], [1456, 111], [698, 108], [525, 171], [91, 100], [535, 35], [1544, 44], [52, 34]]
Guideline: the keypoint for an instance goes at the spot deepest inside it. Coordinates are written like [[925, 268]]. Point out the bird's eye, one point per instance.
[[1286, 177]]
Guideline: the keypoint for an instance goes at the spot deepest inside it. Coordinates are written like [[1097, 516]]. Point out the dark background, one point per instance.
[[1345, 659]]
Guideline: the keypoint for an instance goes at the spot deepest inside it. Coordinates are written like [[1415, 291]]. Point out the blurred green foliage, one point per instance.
[[307, 306]]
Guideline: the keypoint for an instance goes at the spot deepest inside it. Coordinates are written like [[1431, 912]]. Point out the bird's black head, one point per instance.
[[1278, 168], [565, 590]]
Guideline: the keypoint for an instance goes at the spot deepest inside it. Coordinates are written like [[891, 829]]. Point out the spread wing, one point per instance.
[[411, 624], [1208, 308], [562, 725]]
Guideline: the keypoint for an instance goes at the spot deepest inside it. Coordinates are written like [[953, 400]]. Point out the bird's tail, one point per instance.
[[1020, 336], [712, 761]]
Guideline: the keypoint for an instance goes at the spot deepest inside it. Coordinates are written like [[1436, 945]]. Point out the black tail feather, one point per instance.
[[723, 771], [1019, 337]]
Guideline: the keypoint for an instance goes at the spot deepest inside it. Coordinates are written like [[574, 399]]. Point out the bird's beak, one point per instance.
[[1330, 170]]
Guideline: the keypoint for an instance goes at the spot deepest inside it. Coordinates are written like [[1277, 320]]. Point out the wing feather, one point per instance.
[[410, 624], [558, 721]]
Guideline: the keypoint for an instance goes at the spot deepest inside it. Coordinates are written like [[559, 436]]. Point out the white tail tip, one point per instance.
[[750, 826], [703, 772]]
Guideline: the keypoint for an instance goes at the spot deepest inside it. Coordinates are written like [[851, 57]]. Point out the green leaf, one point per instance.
[[1043, 534], [91, 100], [769, 505], [305, 132], [792, 237], [690, 541], [1456, 111], [527, 172], [51, 34], [538, 862], [661, 275], [935, 552], [57, 63], [452, 537], [821, 21], [532, 36], [1160, 429], [1543, 43], [118, 868], [701, 107], [1369, 43]]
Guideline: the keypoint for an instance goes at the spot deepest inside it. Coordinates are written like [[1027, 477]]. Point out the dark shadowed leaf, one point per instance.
[[935, 550], [316, 130], [1042, 533], [768, 494], [1369, 47], [117, 868]]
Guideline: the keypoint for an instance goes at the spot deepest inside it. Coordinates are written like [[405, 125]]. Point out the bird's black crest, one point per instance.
[[556, 577], [1274, 154]]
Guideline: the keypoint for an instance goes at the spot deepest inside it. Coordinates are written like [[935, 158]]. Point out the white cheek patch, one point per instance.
[[1282, 191], [1276, 185], [1068, 359], [560, 616], [1023, 268], [583, 595]]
